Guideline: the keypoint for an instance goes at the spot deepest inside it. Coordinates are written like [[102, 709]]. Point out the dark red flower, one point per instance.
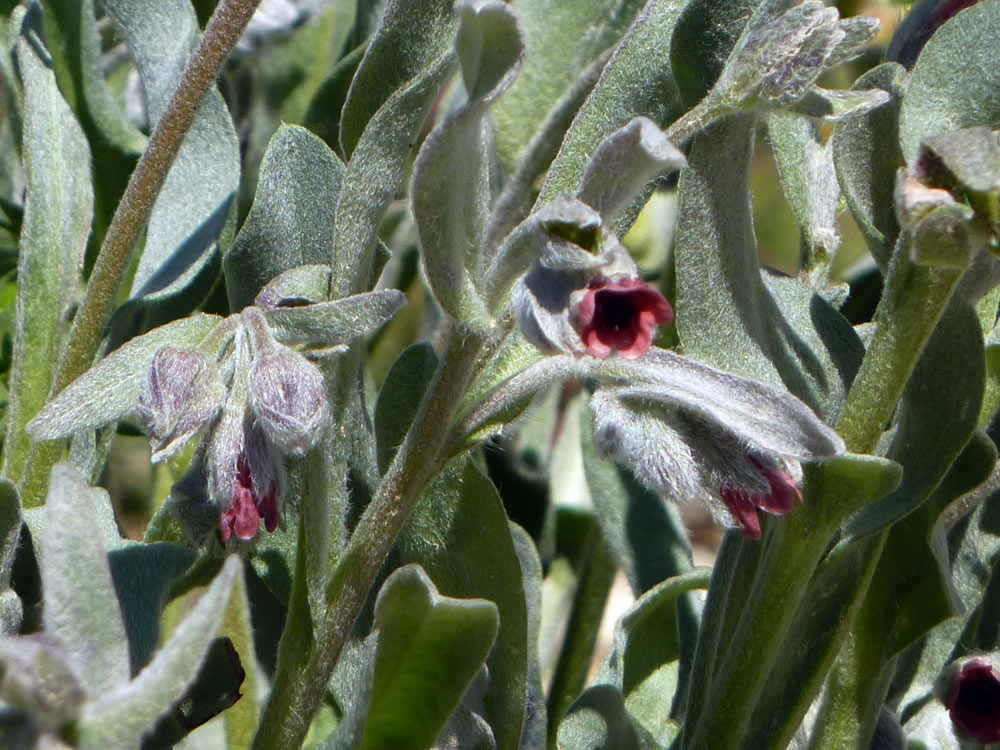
[[243, 517], [621, 316], [743, 503], [973, 701]]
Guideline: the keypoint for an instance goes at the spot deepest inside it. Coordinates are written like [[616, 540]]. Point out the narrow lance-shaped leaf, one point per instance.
[[193, 205], [451, 178], [81, 605], [58, 210], [808, 178], [336, 322], [411, 38], [866, 156], [553, 62], [373, 175], [292, 218], [110, 390], [118, 719], [638, 80], [72, 29], [779, 332]]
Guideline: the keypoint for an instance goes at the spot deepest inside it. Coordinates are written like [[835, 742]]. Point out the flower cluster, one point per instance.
[[274, 404], [687, 431]]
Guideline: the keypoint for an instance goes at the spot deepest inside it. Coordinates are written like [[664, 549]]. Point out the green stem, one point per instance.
[[914, 300], [116, 254], [597, 574], [303, 673], [787, 565]]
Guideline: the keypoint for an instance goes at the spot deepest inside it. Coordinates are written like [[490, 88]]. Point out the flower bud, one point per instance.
[[182, 391], [288, 397]]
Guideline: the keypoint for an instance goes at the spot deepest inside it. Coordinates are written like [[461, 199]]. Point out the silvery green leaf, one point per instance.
[[451, 178], [731, 315], [373, 175], [637, 80], [598, 720], [462, 503], [142, 574], [553, 61], [533, 732], [301, 285], [117, 719], [110, 390], [337, 322], [867, 155], [411, 38], [809, 181], [57, 215], [623, 164], [706, 34], [518, 192], [403, 68], [292, 218], [931, 728], [194, 203], [81, 609], [833, 106], [429, 648], [954, 82]]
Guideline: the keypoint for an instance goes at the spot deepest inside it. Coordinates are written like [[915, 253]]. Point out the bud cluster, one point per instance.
[[273, 404]]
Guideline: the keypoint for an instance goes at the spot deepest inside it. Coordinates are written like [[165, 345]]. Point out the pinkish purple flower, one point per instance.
[[743, 503], [247, 479], [973, 701], [621, 315]]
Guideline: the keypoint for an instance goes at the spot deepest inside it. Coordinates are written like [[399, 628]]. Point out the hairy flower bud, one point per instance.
[[182, 391], [288, 397]]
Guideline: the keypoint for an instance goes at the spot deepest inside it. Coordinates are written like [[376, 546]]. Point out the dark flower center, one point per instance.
[[616, 310], [975, 708]]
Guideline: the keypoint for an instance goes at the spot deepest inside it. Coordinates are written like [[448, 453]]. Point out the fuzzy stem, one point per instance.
[[116, 255], [220, 37], [301, 681], [905, 322]]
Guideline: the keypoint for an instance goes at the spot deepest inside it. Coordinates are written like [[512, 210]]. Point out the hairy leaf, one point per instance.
[[58, 210]]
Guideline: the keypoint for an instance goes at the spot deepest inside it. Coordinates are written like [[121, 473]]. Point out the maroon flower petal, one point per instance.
[[973, 701], [621, 316], [784, 493], [743, 510], [242, 517]]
